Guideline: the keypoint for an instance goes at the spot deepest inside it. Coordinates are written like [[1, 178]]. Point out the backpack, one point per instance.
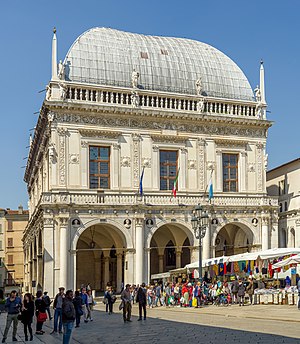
[[47, 300]]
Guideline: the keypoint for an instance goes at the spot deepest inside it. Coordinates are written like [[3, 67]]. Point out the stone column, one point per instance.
[[147, 276], [219, 171], [116, 166], [129, 266], [265, 233], [106, 271], [73, 270], [63, 251], [139, 255], [119, 271], [161, 263], [183, 164], [178, 258], [275, 234], [84, 164], [155, 168], [206, 244], [97, 273], [244, 175]]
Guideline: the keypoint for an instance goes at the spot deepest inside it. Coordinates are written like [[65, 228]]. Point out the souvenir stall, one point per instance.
[[272, 285]]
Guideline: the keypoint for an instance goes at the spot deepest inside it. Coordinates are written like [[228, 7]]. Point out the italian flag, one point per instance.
[[175, 186]]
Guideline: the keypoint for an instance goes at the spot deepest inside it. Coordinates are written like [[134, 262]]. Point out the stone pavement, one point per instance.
[[210, 325]]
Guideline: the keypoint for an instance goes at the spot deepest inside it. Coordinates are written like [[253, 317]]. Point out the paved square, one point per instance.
[[233, 324]]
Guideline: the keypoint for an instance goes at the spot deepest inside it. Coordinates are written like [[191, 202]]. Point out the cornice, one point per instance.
[[113, 109], [100, 133], [169, 138]]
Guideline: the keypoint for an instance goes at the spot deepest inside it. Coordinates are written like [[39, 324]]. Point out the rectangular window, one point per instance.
[[168, 169], [10, 242], [99, 167], [9, 225], [1, 247], [0, 228], [230, 172], [10, 259]]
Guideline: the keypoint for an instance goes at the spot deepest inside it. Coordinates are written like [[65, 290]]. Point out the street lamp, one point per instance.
[[200, 222]]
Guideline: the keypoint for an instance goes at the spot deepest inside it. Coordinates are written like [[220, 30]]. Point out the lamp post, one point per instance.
[[200, 225]]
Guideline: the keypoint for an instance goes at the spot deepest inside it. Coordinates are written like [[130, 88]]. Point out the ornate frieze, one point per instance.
[[259, 165], [203, 128], [136, 159], [62, 155], [201, 159]]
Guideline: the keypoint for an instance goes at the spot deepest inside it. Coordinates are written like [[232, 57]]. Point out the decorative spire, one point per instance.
[[262, 81], [54, 56]]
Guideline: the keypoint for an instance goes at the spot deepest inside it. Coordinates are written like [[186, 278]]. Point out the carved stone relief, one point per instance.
[[136, 159], [125, 161], [259, 165], [192, 164], [208, 128], [146, 162], [201, 147], [73, 158]]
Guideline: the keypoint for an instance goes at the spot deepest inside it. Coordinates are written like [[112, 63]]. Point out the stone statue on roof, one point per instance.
[[257, 94], [61, 70], [199, 86], [48, 92], [63, 90], [134, 78]]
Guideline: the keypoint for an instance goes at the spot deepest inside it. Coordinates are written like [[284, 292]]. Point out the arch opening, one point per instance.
[[233, 239], [100, 257]]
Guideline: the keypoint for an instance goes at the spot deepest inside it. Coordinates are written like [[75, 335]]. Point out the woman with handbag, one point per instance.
[[40, 312], [27, 315], [77, 302]]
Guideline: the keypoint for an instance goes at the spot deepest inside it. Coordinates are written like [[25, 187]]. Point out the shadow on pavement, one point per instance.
[[111, 329]]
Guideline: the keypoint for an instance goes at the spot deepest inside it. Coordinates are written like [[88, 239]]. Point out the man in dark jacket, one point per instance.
[[48, 302], [57, 305], [142, 301], [68, 316], [13, 306]]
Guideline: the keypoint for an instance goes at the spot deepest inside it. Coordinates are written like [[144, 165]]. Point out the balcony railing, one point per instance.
[[149, 99], [125, 199], [9, 282]]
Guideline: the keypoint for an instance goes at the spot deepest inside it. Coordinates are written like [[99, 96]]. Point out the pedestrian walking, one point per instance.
[[77, 301], [109, 299], [241, 293], [13, 306], [90, 306], [141, 299], [85, 304], [126, 300], [57, 306], [68, 316], [27, 315], [40, 312], [234, 290], [48, 302], [250, 290]]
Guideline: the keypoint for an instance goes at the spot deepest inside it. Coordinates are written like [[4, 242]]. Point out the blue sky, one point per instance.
[[244, 30]]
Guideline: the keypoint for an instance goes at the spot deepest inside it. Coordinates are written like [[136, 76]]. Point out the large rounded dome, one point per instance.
[[108, 57]]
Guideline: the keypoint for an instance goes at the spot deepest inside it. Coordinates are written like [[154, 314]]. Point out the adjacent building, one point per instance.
[[12, 225], [284, 182], [125, 117]]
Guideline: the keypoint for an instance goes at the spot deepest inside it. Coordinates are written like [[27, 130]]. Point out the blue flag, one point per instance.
[[141, 182], [210, 189]]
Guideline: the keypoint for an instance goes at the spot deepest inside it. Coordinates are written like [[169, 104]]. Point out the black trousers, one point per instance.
[[27, 325], [142, 307]]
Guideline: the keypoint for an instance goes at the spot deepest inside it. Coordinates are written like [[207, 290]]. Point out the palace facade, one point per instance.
[[123, 105]]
